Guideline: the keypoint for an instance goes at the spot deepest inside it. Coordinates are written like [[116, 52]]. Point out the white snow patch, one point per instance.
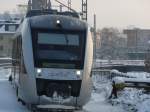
[[144, 106], [131, 99], [98, 103], [8, 99], [4, 73], [140, 75], [118, 80]]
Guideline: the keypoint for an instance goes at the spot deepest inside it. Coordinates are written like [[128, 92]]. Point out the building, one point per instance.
[[137, 42], [7, 31], [112, 44], [98, 40]]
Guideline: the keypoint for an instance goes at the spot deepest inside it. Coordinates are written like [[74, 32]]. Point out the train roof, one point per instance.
[[32, 13], [50, 21]]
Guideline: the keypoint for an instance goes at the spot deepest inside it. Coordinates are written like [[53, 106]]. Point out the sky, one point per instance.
[[110, 13]]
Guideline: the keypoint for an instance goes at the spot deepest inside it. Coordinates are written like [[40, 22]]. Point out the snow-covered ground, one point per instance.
[[133, 100], [8, 100], [129, 100], [99, 103]]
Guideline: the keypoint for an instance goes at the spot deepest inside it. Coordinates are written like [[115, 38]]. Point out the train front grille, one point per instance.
[[64, 88]]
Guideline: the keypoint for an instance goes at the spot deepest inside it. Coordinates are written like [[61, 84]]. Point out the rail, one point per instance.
[[104, 75], [103, 63]]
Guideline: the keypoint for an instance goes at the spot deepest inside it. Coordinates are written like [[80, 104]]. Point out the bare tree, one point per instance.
[[112, 44], [7, 16]]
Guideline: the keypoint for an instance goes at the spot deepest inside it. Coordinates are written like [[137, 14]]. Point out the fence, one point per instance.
[[106, 75]]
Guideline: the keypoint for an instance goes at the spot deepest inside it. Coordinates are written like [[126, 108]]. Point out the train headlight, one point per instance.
[[39, 71], [78, 72], [58, 21], [58, 24]]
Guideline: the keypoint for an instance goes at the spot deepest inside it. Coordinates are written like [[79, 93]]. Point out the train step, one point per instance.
[[53, 108]]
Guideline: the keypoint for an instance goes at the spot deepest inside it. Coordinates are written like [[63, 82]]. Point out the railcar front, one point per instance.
[[57, 56]]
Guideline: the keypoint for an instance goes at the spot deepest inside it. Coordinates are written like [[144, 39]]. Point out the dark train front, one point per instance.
[[56, 60]]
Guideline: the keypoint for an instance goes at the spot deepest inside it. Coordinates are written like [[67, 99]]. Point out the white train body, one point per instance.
[[53, 60]]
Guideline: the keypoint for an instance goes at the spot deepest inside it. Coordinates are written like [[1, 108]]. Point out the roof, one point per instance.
[[49, 21], [9, 21], [4, 24], [6, 32], [3, 31], [50, 12]]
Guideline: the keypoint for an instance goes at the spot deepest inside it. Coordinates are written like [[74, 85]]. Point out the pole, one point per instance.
[[69, 5], [84, 10], [95, 37], [41, 4]]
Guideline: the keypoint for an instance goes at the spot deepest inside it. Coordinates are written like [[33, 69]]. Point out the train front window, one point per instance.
[[59, 49], [58, 39]]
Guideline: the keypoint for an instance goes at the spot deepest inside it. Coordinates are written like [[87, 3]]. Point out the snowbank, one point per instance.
[[133, 100], [8, 99], [130, 99], [144, 106]]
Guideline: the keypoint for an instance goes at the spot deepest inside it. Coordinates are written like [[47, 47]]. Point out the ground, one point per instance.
[[130, 100]]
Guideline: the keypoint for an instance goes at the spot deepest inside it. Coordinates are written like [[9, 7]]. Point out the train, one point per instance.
[[52, 59]]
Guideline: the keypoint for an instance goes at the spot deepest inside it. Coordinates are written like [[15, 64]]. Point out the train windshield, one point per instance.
[[59, 49]]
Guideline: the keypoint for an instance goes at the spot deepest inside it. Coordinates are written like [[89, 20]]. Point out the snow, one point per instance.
[[99, 99], [5, 58], [2, 29], [6, 32], [133, 100], [98, 103], [4, 74], [139, 75], [8, 100], [116, 73], [118, 80], [144, 106], [56, 107], [129, 100]]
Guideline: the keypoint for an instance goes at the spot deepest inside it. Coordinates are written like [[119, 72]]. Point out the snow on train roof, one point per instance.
[[49, 21]]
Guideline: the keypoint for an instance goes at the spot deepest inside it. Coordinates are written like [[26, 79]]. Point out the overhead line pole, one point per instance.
[[95, 35], [84, 10], [69, 5], [65, 6]]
